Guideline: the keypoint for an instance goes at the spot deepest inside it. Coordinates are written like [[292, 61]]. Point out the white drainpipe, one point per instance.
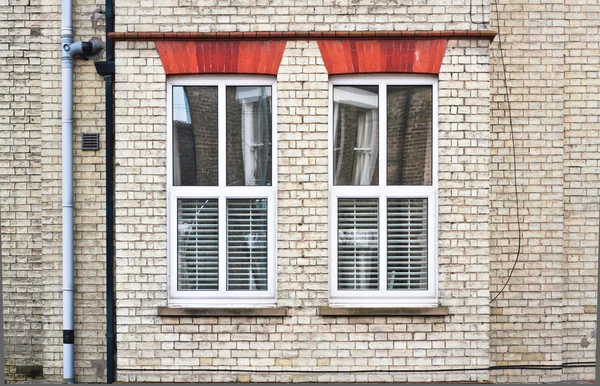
[[66, 38], [69, 50]]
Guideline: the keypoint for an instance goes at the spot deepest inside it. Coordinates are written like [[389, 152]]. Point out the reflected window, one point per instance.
[[356, 128], [249, 136]]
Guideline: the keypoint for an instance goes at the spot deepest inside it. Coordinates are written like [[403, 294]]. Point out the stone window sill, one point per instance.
[[383, 311], [255, 311]]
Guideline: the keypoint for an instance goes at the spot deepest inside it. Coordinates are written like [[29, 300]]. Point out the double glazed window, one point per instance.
[[382, 185], [221, 191], [383, 190]]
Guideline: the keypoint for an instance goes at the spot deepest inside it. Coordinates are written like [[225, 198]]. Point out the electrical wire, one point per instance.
[[489, 368], [482, 22], [512, 138]]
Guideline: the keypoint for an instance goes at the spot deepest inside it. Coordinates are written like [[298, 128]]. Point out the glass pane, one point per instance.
[[409, 131], [358, 244], [197, 245], [249, 136], [247, 244], [356, 135], [195, 136], [407, 244]]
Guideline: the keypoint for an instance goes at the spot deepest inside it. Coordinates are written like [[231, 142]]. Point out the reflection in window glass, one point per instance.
[[356, 135], [195, 136], [249, 136], [409, 131]]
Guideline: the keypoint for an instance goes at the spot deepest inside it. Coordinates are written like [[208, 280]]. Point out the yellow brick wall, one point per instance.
[[546, 315], [88, 200], [541, 318], [302, 340], [20, 188]]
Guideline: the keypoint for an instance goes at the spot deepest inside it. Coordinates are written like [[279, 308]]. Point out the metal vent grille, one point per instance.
[[90, 141]]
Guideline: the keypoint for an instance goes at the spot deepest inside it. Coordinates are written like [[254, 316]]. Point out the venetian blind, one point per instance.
[[197, 244], [358, 244], [407, 244], [247, 244]]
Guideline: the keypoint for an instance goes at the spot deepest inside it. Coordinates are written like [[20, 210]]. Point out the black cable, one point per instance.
[[577, 364], [491, 368], [482, 22], [512, 138]]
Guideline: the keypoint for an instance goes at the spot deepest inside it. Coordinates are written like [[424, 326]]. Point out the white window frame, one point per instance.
[[222, 297], [384, 297]]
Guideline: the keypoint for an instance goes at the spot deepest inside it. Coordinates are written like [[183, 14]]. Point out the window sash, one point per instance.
[[383, 296], [222, 192]]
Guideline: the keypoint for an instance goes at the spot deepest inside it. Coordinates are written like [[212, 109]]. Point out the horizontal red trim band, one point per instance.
[[310, 35]]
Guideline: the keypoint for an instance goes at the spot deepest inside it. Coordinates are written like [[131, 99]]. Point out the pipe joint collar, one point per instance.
[[84, 50]]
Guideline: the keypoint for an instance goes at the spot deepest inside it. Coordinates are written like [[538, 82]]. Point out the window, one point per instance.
[[221, 190], [383, 190]]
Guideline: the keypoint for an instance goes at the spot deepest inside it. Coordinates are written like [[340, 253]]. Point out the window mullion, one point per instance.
[[173, 273], [221, 113], [222, 136], [432, 268], [383, 244], [271, 244], [170, 132], [222, 245], [333, 227], [382, 183], [382, 135]]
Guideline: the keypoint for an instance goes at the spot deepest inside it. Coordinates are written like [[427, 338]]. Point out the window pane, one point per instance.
[[407, 244], [249, 136], [356, 135], [197, 245], [358, 244], [247, 244], [409, 132], [195, 136]]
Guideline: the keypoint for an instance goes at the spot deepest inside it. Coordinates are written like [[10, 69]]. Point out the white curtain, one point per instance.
[[367, 146], [249, 143]]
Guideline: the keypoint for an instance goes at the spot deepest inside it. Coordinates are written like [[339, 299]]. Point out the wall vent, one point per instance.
[[90, 141]]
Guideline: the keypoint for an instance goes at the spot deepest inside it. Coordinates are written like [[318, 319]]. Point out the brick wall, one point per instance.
[[302, 340], [20, 188], [581, 187], [526, 322], [296, 15], [546, 314], [89, 228]]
